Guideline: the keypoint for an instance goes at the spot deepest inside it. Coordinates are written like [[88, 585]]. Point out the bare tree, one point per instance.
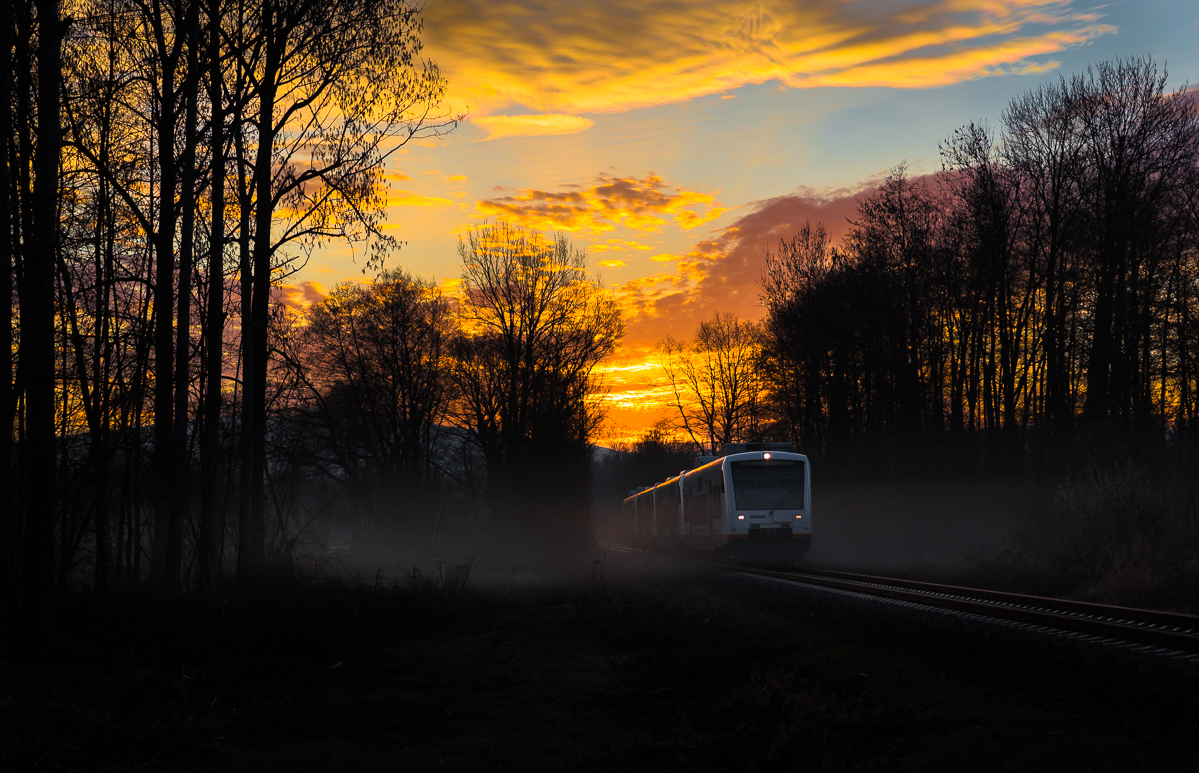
[[9, 515], [535, 327], [338, 88], [37, 345], [214, 325], [805, 387], [374, 368], [716, 381], [1042, 293]]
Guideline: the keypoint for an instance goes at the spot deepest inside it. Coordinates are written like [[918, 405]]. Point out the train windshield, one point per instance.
[[768, 485]]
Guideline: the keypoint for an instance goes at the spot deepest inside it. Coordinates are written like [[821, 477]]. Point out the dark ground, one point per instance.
[[647, 666], [1001, 535]]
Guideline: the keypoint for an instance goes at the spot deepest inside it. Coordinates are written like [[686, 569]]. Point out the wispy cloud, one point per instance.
[[562, 58], [618, 245], [532, 125], [412, 199]]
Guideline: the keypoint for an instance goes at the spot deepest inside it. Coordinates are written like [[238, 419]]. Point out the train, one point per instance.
[[752, 503]]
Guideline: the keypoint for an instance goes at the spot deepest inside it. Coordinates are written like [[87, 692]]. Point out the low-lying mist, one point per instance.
[[898, 526], [1110, 532], [483, 554]]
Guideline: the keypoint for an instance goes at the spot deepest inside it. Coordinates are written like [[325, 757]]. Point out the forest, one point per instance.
[[1027, 316], [1030, 310], [166, 166], [1041, 288]]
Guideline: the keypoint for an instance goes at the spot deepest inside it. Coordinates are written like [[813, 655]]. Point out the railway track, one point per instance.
[[1143, 628]]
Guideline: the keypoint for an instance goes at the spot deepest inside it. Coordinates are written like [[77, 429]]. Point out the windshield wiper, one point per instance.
[[786, 494]]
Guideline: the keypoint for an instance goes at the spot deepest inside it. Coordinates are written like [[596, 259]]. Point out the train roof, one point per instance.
[[781, 450]]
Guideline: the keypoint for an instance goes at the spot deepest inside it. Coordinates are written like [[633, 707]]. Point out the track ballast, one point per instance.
[[1145, 627]]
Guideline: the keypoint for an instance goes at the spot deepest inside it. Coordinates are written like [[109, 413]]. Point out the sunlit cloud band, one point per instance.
[[532, 125], [563, 58]]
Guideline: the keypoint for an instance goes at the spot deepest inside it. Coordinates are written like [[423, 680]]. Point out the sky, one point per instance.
[[675, 141]]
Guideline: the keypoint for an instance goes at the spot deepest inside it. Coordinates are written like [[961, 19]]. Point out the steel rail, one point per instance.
[[1166, 630]]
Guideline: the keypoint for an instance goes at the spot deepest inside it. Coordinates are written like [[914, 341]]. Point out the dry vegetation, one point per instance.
[[668, 670]]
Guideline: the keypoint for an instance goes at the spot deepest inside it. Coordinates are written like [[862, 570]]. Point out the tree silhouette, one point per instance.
[[534, 329], [716, 381]]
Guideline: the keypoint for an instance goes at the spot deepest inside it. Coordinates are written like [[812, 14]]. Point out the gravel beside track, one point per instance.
[[1074, 702], [1166, 633]]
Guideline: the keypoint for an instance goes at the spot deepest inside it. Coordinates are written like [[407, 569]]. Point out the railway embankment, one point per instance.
[[1107, 535], [635, 663]]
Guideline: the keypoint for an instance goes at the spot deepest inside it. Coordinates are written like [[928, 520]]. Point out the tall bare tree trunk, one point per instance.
[[164, 313], [102, 355], [256, 369], [9, 532], [245, 552], [37, 334], [187, 210], [214, 329]]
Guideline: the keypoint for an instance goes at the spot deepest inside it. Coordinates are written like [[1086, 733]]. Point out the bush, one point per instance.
[[1113, 532]]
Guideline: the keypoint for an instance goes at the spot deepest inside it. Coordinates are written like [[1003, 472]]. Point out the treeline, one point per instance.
[[165, 165], [1036, 300], [401, 413], [1043, 290]]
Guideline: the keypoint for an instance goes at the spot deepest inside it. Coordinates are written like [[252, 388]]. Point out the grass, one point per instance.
[[668, 673]]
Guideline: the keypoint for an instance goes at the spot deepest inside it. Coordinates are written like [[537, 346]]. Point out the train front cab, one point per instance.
[[753, 506]]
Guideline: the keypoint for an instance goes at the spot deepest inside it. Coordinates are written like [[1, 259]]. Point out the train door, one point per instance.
[[645, 514], [687, 505], [667, 510], [719, 507], [699, 520], [676, 506], [689, 493]]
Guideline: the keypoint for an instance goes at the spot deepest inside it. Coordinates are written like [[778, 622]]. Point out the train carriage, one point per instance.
[[752, 503]]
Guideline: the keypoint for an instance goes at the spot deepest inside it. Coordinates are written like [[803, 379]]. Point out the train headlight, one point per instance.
[[741, 518], [766, 455]]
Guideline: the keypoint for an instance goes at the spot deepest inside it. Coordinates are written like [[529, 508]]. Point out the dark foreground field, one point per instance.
[[642, 665]]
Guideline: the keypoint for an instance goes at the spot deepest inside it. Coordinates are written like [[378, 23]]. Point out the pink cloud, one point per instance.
[[721, 273], [299, 297]]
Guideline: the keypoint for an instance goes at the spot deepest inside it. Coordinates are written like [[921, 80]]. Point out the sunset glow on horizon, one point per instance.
[[676, 141]]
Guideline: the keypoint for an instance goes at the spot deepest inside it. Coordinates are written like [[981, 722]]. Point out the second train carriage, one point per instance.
[[751, 503]]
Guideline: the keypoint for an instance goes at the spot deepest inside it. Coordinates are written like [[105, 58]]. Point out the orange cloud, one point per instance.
[[554, 58], [300, 297], [532, 125], [643, 205], [637, 392], [721, 273], [412, 199], [611, 263], [620, 245]]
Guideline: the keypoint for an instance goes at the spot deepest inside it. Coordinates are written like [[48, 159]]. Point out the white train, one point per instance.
[[753, 503]]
